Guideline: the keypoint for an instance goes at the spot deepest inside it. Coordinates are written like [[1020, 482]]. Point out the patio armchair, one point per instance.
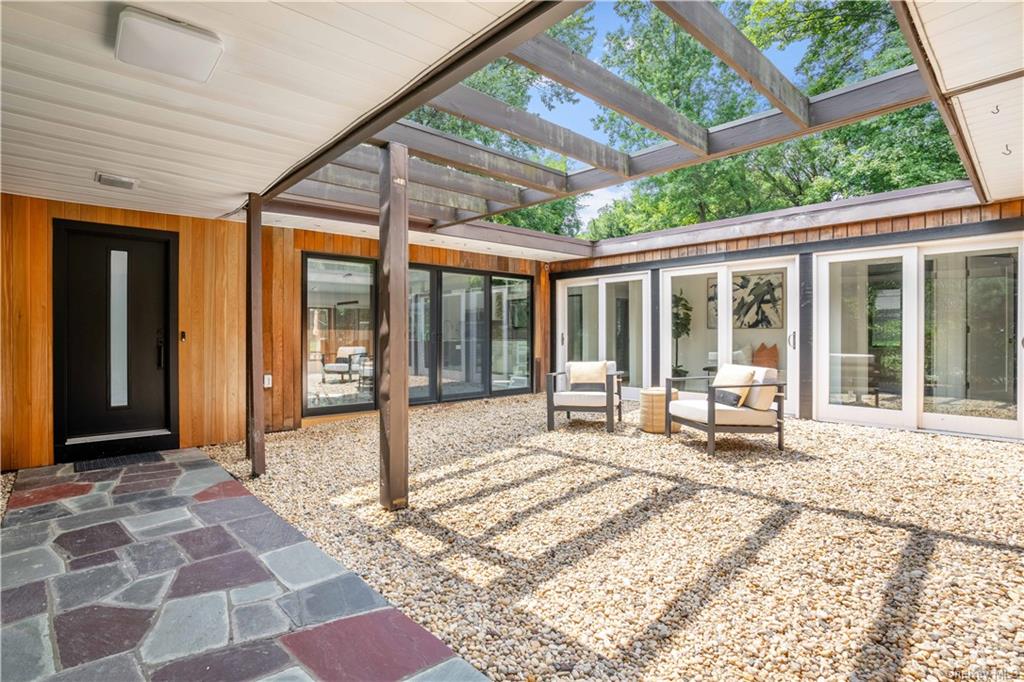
[[591, 387], [751, 413], [345, 362]]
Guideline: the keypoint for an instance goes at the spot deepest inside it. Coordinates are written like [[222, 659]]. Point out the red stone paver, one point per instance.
[[52, 493], [93, 632], [140, 486], [381, 645], [222, 490], [93, 539], [219, 573], [245, 662], [203, 543]]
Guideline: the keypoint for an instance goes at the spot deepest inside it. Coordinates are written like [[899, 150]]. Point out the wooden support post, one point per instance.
[[254, 448], [392, 336]]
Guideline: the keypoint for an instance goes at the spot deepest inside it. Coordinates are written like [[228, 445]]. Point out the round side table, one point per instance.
[[652, 410]]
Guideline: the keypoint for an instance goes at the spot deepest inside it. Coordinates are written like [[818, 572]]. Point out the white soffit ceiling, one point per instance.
[[293, 76], [423, 238], [970, 44]]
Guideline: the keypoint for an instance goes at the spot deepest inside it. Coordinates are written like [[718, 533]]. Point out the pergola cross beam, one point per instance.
[[705, 22], [478, 107]]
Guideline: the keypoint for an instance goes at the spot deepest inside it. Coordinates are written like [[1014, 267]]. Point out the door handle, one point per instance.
[[792, 340], [160, 354]]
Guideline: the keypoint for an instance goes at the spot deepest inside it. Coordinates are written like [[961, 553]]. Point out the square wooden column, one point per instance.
[[392, 335], [254, 336]]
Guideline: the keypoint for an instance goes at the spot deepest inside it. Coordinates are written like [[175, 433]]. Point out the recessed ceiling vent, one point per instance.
[[165, 45], [116, 181]]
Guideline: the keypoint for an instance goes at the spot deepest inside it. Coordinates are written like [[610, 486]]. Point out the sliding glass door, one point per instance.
[[422, 349], [755, 324], [463, 335], [511, 331], [923, 337], [607, 318]]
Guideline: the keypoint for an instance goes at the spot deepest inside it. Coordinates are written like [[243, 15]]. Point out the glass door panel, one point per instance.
[[421, 342], [624, 332], [970, 341], [463, 334], [581, 323], [693, 323], [510, 334]]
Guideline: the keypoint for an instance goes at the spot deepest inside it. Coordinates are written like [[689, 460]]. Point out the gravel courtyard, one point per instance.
[[858, 553]]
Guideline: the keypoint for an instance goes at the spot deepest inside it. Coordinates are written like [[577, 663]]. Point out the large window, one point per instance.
[[422, 382], [339, 335], [511, 329], [463, 334]]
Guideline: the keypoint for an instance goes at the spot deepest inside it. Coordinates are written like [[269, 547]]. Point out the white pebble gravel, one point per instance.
[[856, 554]]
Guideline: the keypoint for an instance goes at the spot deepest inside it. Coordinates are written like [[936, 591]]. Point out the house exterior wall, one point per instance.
[[211, 312]]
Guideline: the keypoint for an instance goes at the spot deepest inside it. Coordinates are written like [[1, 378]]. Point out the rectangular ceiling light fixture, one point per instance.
[[165, 45]]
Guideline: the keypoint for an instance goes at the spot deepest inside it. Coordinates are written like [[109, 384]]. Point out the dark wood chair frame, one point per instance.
[[347, 374], [612, 388], [711, 428]]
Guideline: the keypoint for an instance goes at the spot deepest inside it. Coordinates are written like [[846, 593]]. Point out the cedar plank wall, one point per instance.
[[282, 301], [915, 221], [211, 310]]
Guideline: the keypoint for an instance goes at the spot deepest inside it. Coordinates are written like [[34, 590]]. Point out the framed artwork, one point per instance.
[[757, 301]]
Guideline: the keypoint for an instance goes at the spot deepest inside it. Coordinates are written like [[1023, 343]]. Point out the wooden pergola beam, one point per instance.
[[553, 60], [392, 333], [254, 424], [703, 20], [366, 157], [452, 150], [337, 194], [369, 181], [473, 105]]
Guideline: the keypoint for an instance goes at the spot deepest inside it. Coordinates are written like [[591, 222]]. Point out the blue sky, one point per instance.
[[578, 116]]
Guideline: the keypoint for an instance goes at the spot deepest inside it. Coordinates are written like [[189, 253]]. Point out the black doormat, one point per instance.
[[118, 461]]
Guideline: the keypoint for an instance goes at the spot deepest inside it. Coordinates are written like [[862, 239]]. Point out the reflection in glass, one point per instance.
[[463, 334], [866, 333], [510, 333], [118, 328], [970, 327], [694, 323], [759, 333], [339, 333], [421, 347], [581, 331], [624, 318]]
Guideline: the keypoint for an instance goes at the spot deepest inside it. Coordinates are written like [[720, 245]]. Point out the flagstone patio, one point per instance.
[[172, 570]]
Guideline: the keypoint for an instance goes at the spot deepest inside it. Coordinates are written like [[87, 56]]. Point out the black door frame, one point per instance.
[[69, 453]]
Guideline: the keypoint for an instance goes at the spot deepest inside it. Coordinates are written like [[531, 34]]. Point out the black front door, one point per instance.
[[115, 329]]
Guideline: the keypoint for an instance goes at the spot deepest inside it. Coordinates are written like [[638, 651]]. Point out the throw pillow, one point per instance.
[[732, 375]]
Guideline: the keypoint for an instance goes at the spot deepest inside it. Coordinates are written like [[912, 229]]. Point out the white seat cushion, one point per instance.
[[336, 367], [582, 399], [697, 410]]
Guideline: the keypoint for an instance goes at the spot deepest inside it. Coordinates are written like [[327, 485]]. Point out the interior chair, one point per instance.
[[585, 387], [345, 362], [739, 399]]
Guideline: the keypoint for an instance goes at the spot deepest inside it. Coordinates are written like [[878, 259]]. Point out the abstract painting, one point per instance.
[[757, 301]]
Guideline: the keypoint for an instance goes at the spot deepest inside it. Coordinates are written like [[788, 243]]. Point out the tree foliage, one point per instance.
[[845, 42]]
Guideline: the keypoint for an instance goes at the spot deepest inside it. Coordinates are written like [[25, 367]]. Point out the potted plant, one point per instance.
[[682, 315]]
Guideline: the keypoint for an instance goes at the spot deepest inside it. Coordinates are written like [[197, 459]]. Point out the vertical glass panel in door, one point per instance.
[[510, 333], [463, 334], [581, 342], [694, 327], [970, 331], [118, 328], [624, 318], [759, 334], [421, 345], [865, 333], [339, 333]]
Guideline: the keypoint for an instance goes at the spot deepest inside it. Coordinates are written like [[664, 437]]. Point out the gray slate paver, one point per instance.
[[256, 621], [265, 533], [145, 592], [293, 674], [28, 566], [23, 537], [301, 565], [161, 503], [25, 650], [257, 592], [157, 518], [195, 480], [345, 595], [230, 509], [95, 500], [167, 529], [186, 627], [452, 670], [155, 556], [40, 512], [91, 518], [84, 587], [119, 668]]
